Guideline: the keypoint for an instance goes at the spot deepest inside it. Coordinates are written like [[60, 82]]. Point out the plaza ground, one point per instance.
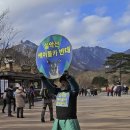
[[94, 113]]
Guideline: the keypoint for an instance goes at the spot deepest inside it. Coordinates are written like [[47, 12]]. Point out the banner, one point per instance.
[[54, 56]]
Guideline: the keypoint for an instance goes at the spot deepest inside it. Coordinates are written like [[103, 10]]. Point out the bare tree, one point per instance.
[[7, 34]]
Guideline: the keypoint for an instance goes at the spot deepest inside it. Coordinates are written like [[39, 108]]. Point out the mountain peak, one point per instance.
[[90, 57], [28, 43]]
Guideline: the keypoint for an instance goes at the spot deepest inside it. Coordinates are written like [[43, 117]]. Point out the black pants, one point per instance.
[[9, 109], [14, 104], [4, 105], [20, 112], [31, 101], [50, 105]]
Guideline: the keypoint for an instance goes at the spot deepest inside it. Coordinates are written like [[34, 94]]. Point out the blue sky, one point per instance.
[[104, 23]]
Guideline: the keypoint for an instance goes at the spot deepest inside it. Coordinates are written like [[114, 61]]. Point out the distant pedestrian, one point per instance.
[[9, 97], [14, 102], [88, 91], [4, 101], [92, 91], [95, 91], [30, 96], [85, 92], [108, 90], [47, 101], [20, 101], [119, 89], [125, 89], [79, 92], [112, 90], [115, 90], [82, 91]]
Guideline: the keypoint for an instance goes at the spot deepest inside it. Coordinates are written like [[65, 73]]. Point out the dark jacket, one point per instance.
[[9, 95], [66, 100]]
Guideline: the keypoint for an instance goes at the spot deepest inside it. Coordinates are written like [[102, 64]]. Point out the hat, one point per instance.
[[17, 85], [20, 88], [118, 83], [63, 78]]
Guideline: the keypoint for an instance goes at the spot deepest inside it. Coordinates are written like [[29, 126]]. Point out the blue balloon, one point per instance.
[[54, 56]]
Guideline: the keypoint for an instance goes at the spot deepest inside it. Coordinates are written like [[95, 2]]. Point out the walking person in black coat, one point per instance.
[[47, 101], [4, 101], [9, 97]]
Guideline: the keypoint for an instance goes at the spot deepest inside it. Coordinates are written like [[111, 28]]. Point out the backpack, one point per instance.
[[30, 92], [9, 94], [45, 94]]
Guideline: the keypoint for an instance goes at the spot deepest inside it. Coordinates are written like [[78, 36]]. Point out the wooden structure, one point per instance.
[[24, 78]]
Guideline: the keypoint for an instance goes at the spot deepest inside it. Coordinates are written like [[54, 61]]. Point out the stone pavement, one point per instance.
[[94, 113]]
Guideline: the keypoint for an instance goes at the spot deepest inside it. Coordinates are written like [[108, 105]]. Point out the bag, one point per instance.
[[4, 96], [9, 94], [30, 93], [45, 94]]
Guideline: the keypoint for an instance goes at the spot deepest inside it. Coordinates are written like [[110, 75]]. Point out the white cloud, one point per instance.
[[89, 30], [37, 19], [125, 18], [97, 25], [122, 37]]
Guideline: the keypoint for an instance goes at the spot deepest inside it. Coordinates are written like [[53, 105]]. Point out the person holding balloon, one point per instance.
[[53, 57], [66, 103]]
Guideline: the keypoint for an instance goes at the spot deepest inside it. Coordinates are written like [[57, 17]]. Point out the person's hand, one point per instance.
[[66, 74], [43, 77]]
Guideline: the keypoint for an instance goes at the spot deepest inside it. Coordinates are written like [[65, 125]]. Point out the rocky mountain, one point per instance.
[[90, 58], [127, 52], [27, 48], [84, 58]]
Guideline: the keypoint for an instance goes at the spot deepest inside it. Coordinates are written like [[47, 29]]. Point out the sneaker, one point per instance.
[[3, 112], [42, 120], [52, 119], [10, 116]]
